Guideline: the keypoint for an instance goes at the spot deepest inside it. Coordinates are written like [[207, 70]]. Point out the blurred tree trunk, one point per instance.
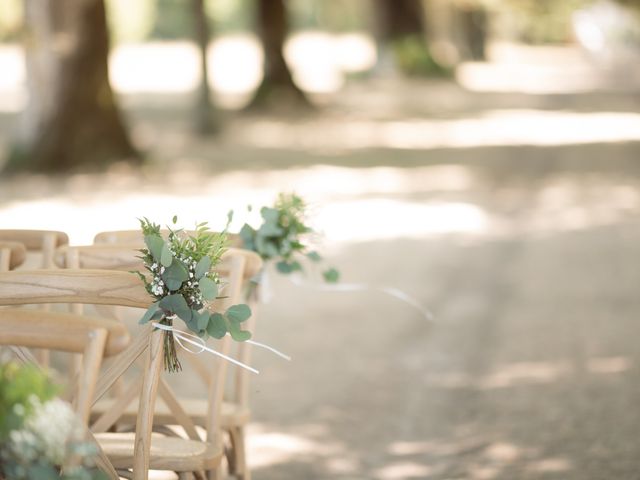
[[473, 29], [72, 119], [398, 19], [206, 121], [277, 86]]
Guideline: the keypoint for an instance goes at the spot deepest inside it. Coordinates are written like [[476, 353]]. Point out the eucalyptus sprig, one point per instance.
[[183, 284], [283, 236]]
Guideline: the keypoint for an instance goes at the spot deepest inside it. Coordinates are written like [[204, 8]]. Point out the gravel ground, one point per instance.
[[526, 253]]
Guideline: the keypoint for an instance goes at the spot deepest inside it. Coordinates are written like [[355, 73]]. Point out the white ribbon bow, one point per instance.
[[182, 336]]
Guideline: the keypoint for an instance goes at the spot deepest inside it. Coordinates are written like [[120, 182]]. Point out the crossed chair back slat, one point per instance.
[[123, 257], [112, 249], [232, 268], [238, 394], [66, 333]]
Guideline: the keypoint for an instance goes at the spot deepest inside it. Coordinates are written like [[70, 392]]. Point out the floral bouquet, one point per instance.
[[183, 284], [283, 236], [39, 434]]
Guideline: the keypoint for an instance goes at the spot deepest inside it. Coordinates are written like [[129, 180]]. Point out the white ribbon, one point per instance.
[[271, 349], [362, 287], [182, 336]]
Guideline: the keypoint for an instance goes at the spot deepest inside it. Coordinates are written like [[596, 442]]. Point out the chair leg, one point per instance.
[[238, 455], [215, 474]]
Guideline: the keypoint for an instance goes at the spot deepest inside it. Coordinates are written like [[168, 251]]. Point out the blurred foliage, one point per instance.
[[11, 12], [332, 15], [18, 383], [231, 15], [130, 21], [172, 20], [539, 21], [413, 58]]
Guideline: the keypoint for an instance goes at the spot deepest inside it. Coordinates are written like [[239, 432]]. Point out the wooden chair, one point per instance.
[[138, 452], [12, 255], [236, 411], [92, 338], [43, 241]]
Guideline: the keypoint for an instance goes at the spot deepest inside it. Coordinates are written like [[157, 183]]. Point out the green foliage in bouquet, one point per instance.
[[282, 235], [39, 434], [182, 283]]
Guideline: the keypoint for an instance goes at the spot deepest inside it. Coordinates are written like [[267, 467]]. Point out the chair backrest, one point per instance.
[[92, 338], [117, 288], [44, 241], [133, 240], [124, 257], [12, 255], [97, 287]]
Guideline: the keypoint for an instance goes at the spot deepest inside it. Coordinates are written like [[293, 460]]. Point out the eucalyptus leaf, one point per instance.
[[331, 275], [192, 323], [174, 275], [270, 249], [203, 266], [177, 304], [246, 234], [269, 229], [283, 267], [314, 256], [270, 215], [208, 288], [237, 333], [42, 471], [154, 243], [287, 267], [153, 308], [238, 313], [166, 257], [217, 327], [202, 319]]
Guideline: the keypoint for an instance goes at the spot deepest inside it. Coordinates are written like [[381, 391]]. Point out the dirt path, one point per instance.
[[525, 250]]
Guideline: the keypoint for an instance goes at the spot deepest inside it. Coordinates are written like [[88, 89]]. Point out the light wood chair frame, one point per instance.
[[106, 287], [236, 410]]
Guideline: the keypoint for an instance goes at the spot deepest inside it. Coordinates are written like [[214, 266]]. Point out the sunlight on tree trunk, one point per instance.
[[277, 87], [72, 119]]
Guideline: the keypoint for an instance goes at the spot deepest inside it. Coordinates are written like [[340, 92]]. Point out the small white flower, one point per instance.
[[52, 425]]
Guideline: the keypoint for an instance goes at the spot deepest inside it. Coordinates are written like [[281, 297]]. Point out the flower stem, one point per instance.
[[171, 362]]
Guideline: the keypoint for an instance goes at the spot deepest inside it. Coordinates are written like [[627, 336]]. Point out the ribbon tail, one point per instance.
[[271, 349], [221, 355], [361, 287], [400, 295]]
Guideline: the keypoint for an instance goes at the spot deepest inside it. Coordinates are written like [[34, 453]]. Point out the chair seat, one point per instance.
[[167, 453], [233, 415]]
